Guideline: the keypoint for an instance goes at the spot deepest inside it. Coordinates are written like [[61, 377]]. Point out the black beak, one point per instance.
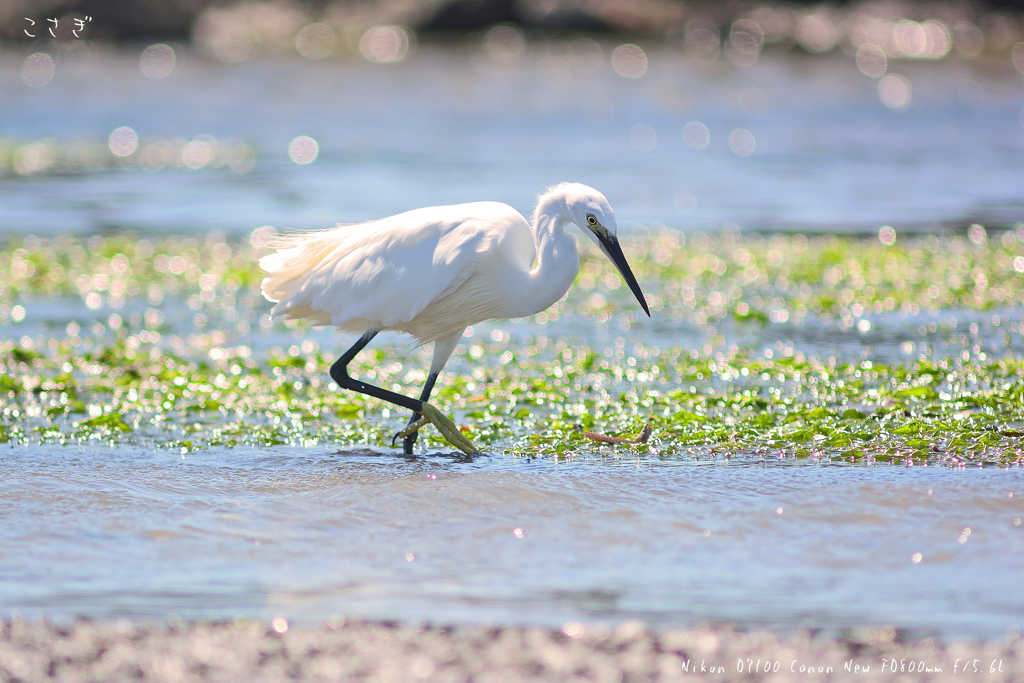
[[612, 250]]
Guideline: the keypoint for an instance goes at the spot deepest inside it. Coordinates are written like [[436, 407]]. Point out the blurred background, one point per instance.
[[190, 116]]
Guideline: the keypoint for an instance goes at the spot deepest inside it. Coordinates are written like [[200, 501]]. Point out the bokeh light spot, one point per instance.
[[886, 235], [745, 41], [939, 41], [34, 158], [629, 61], [977, 234], [910, 37], [198, 153], [123, 141], [303, 150], [702, 43], [968, 39], [573, 629], [871, 60], [227, 34], [504, 43], [422, 667], [156, 155], [37, 70], [384, 44], [241, 158], [742, 142], [916, 558], [815, 33], [894, 91], [157, 61], [1017, 57], [696, 135], [315, 41]]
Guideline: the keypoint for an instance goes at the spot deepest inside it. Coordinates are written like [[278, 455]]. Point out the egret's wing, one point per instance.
[[385, 272], [390, 277]]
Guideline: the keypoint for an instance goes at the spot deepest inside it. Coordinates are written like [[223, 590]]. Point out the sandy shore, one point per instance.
[[249, 650]]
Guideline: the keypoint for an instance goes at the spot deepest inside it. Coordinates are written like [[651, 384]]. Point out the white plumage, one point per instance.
[[422, 272], [432, 272]]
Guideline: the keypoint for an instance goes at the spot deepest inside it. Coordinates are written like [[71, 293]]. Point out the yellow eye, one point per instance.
[[591, 219]]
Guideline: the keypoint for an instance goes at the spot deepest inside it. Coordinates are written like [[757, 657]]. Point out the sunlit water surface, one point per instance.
[[311, 532], [448, 126]]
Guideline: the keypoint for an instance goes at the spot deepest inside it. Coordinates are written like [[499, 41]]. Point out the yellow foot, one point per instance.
[[411, 429], [447, 428]]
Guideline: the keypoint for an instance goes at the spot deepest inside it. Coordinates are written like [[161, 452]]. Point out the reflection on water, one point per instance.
[[784, 143], [309, 533]]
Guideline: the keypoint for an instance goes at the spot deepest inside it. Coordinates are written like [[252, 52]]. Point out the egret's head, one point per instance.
[[591, 212]]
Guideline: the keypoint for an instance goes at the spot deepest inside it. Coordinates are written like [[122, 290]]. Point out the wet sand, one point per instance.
[[249, 650]]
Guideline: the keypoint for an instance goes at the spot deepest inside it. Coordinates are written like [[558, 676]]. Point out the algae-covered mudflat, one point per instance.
[[167, 343]]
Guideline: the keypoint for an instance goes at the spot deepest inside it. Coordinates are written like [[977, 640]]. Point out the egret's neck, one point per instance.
[[549, 219], [558, 259]]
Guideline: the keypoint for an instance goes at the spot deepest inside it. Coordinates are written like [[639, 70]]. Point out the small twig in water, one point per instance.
[[641, 438]]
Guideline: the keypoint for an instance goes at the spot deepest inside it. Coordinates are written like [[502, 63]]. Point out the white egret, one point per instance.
[[433, 272]]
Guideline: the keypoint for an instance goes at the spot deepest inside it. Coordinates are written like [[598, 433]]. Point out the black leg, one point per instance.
[[410, 441], [339, 373]]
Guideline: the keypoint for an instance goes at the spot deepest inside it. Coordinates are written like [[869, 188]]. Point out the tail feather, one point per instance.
[[297, 255]]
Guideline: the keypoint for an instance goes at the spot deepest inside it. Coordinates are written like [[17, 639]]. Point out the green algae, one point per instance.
[[50, 156], [950, 411], [145, 380], [699, 278]]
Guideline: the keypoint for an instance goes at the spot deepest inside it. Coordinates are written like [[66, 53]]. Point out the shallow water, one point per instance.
[[311, 532], [308, 533], [449, 125]]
